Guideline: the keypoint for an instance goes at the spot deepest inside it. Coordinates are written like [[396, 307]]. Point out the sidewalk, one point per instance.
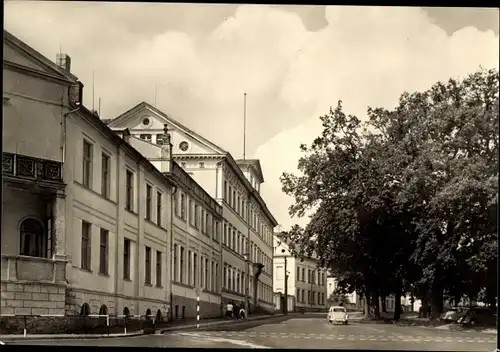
[[218, 321], [177, 325]]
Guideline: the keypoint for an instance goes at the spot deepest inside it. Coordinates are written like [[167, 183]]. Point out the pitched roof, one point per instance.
[[144, 105], [37, 56], [254, 164]]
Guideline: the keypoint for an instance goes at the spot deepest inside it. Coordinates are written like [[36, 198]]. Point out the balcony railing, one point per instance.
[[31, 168], [34, 269]]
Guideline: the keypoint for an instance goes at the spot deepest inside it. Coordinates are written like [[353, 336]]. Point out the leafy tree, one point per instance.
[[406, 202]]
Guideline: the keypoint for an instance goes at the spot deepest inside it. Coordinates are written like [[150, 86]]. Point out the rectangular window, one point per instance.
[[86, 245], [214, 276], [234, 240], [149, 201], [208, 227], [224, 239], [197, 216], [190, 268], [195, 269], [158, 268], [176, 204], [303, 275], [87, 164], [225, 191], [206, 274], [229, 195], [191, 212], [183, 206], [203, 225], [126, 259], [181, 276], [105, 176], [130, 191], [158, 208], [148, 266], [176, 266], [238, 243], [233, 204], [238, 282], [216, 286], [103, 252]]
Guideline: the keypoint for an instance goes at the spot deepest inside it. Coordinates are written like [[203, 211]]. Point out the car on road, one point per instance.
[[479, 316], [338, 314], [453, 315]]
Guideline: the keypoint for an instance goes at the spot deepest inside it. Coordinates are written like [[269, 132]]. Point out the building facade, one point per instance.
[[196, 228], [306, 281], [90, 226], [246, 231]]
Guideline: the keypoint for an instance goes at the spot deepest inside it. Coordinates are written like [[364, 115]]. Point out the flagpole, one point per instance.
[[244, 124], [99, 107]]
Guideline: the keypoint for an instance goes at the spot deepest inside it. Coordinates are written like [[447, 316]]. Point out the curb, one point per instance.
[[219, 323], [66, 337]]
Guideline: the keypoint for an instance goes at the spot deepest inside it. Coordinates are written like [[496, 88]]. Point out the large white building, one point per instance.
[[247, 229], [87, 219], [306, 281]]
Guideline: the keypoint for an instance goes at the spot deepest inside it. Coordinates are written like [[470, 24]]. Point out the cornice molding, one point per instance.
[[35, 73]]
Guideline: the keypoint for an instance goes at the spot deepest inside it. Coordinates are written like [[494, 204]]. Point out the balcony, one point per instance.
[[29, 168], [32, 269]]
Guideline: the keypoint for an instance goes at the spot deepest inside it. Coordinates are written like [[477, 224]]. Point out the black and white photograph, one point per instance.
[[250, 176]]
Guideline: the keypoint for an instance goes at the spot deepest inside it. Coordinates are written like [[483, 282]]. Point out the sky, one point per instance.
[[294, 62]]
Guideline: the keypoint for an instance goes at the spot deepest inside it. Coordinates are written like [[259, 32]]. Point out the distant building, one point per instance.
[[306, 282], [248, 224]]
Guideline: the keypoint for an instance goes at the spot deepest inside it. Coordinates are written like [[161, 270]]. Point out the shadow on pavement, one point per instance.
[[241, 325]]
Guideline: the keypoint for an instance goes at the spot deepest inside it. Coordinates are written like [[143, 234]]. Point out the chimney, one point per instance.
[[166, 151], [63, 61], [126, 135]]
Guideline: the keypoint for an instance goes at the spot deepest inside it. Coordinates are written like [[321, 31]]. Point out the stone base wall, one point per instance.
[[188, 307], [115, 304], [32, 298]]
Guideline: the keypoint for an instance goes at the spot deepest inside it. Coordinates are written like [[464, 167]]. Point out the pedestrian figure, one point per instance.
[[229, 310], [242, 313]]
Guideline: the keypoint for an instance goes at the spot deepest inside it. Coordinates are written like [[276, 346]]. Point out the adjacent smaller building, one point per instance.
[[306, 287]]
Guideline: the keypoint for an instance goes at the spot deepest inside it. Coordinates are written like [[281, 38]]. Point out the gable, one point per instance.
[[15, 56], [145, 119], [18, 52]]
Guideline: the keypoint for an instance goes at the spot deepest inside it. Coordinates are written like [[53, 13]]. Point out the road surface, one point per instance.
[[314, 333]]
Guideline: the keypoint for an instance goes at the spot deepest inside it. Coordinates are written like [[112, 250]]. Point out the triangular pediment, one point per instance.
[[19, 53], [145, 119]]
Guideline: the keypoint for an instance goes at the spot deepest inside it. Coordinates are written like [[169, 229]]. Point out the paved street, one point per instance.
[[304, 333]]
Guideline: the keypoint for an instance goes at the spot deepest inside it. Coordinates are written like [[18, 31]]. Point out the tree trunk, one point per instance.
[[376, 304], [366, 305], [437, 294], [425, 307], [384, 308], [397, 304]]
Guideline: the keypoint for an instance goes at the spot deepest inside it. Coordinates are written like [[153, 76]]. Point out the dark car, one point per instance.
[[479, 316]]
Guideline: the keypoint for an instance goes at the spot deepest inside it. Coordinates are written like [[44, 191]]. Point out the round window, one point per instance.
[[183, 146], [145, 121]]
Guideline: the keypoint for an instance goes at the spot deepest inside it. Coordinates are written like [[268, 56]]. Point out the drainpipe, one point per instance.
[[172, 256]]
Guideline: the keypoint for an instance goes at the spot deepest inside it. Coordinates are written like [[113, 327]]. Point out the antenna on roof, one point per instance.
[[244, 124], [99, 107], [93, 91]]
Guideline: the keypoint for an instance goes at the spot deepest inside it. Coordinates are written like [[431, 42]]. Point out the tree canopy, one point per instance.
[[406, 201]]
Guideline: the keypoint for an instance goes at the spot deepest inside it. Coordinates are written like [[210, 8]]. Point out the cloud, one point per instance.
[[364, 56]]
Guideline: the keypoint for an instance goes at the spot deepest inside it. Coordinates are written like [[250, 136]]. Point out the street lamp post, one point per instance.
[[286, 284]]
